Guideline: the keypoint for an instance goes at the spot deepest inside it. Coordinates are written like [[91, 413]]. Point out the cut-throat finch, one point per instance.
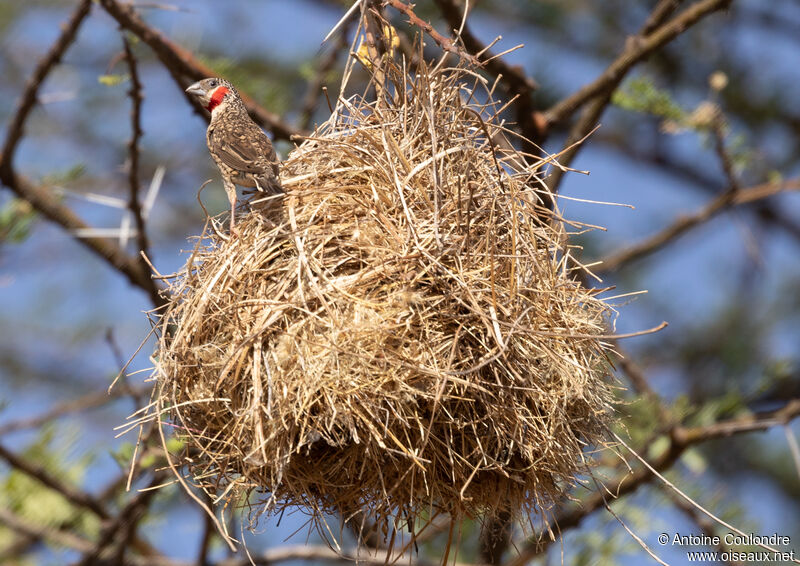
[[239, 147]]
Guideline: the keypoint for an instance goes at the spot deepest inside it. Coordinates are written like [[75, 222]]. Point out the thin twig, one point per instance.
[[660, 14], [66, 539], [30, 96], [39, 532], [514, 77], [48, 204], [90, 401], [42, 199], [495, 538], [134, 204], [320, 554], [704, 523], [125, 523], [725, 159], [208, 536], [769, 214], [642, 387], [515, 81]]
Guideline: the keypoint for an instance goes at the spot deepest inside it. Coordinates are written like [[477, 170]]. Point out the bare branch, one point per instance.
[[755, 422], [35, 471], [39, 532], [660, 14], [684, 224], [681, 439], [29, 97], [444, 42], [597, 94], [495, 538], [39, 197], [315, 85], [725, 159], [122, 528], [66, 539], [48, 205], [517, 84], [642, 387], [90, 401], [134, 204], [185, 68], [637, 49], [79, 498], [209, 530], [514, 77], [319, 554], [765, 211], [704, 523]]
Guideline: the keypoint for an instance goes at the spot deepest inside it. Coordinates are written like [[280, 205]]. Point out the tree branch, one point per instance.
[[122, 528], [660, 14], [134, 205], [686, 223], [637, 49], [516, 83], [29, 97], [704, 523], [73, 495], [681, 439], [495, 538], [315, 85], [318, 554], [444, 42], [39, 532], [48, 205], [598, 93], [39, 197], [766, 212], [515, 79], [185, 68], [90, 401]]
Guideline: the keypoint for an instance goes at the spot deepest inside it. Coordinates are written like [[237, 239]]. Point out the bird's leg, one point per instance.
[[230, 188]]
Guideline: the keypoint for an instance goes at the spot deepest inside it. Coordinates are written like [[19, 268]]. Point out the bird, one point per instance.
[[240, 148]]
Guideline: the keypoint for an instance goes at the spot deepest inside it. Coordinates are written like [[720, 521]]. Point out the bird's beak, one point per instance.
[[196, 90]]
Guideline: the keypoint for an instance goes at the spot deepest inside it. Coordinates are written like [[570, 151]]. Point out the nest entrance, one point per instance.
[[407, 340]]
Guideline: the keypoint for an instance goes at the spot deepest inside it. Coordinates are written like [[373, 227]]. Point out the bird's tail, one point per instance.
[[269, 184]]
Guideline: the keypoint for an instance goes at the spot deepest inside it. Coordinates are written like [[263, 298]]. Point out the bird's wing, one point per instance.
[[243, 147]]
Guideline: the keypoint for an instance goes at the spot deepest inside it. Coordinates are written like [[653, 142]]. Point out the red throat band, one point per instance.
[[216, 97]]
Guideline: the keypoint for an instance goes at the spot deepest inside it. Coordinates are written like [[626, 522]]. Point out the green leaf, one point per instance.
[[641, 95], [16, 218], [71, 175], [694, 460], [112, 80], [26, 497]]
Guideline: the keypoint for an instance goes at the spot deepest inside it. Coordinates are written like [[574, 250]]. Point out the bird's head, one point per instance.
[[213, 93]]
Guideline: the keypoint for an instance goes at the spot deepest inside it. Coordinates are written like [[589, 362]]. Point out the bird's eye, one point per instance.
[[213, 82]]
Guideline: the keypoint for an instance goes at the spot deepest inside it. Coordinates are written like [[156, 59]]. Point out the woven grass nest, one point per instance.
[[405, 339]]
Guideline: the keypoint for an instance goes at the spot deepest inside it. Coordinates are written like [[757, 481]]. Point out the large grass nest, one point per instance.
[[401, 335]]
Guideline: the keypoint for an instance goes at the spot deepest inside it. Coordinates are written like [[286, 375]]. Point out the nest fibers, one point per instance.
[[406, 340]]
